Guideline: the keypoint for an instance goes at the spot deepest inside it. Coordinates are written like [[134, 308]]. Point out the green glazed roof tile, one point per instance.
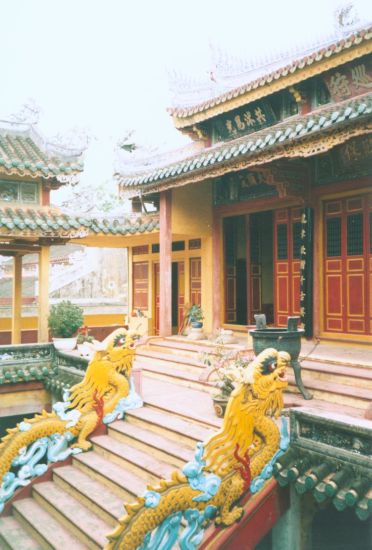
[[46, 222], [356, 37], [328, 117], [19, 154]]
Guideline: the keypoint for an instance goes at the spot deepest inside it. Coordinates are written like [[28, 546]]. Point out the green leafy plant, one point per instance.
[[194, 313], [84, 336], [228, 366], [64, 319]]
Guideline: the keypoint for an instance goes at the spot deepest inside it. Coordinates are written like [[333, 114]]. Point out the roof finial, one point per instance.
[[346, 17]]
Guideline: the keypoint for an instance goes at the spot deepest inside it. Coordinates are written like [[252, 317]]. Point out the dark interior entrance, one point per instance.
[[174, 297], [248, 255], [178, 295], [261, 265]]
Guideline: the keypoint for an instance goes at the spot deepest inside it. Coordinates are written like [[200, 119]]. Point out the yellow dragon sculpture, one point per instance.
[[105, 383], [224, 467]]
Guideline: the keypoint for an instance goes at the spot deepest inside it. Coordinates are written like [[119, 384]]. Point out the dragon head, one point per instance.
[[121, 349], [267, 379]]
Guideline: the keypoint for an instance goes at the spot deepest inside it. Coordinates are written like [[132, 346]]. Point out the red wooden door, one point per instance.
[[287, 254], [140, 285], [348, 269], [195, 281], [157, 297]]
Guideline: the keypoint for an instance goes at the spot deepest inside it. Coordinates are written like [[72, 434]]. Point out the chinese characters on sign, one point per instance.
[[244, 121], [350, 81]]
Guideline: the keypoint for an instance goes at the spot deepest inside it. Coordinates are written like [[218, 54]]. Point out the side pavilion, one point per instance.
[[29, 169]]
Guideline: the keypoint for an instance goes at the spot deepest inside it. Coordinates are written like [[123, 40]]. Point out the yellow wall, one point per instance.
[[192, 210], [191, 219], [99, 320]]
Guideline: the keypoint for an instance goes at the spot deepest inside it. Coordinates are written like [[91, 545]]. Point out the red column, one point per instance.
[[217, 267], [165, 263]]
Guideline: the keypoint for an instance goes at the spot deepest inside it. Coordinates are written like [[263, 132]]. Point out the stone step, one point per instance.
[[200, 346], [292, 400], [175, 375], [137, 461], [189, 405], [178, 360], [152, 443], [360, 357], [90, 492], [122, 482], [88, 527], [43, 527], [333, 392], [183, 346], [173, 427], [14, 537], [348, 375]]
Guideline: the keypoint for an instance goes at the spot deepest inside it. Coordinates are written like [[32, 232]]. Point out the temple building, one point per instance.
[[271, 210], [268, 211]]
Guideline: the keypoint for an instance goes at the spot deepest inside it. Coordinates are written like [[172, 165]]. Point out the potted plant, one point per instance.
[[195, 316], [64, 320], [228, 369], [84, 339]]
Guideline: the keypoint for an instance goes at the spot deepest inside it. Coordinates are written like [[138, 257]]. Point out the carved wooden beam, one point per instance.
[[289, 179]]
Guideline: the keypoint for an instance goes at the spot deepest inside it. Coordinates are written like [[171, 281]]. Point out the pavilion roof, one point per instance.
[[256, 148], [296, 69], [53, 224], [23, 152]]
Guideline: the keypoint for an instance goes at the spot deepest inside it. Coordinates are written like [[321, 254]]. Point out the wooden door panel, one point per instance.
[[287, 265], [195, 281], [157, 297], [181, 293], [140, 285], [348, 280]]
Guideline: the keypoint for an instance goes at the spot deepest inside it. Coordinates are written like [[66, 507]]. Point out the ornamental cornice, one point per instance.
[[275, 85], [307, 147]]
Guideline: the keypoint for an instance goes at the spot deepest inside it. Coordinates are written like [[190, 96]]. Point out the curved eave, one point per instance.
[[45, 174], [302, 137], [310, 66]]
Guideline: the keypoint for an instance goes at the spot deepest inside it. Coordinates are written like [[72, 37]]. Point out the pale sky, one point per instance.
[[101, 65]]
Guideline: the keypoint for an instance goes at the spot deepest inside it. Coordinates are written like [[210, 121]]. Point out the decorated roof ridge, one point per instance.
[[133, 165], [294, 128], [51, 222], [350, 40], [24, 152]]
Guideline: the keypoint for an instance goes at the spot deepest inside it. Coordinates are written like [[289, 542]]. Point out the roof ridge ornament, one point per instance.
[[347, 18]]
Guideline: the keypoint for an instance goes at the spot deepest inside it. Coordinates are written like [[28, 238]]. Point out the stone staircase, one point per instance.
[[344, 386], [82, 502], [179, 361]]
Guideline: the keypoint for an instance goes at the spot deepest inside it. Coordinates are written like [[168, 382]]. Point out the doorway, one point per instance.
[[261, 266], [178, 296], [248, 247]]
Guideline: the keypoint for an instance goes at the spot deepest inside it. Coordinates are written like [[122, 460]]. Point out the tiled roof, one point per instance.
[[48, 222], [318, 55], [281, 134], [327, 480], [23, 152]]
